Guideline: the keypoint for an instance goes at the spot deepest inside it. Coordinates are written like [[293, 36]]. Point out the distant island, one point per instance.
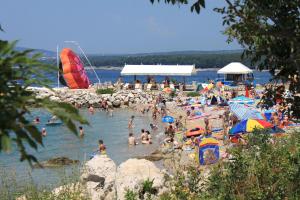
[[201, 59]]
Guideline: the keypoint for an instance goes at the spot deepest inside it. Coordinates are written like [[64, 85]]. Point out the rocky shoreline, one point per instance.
[[86, 97]]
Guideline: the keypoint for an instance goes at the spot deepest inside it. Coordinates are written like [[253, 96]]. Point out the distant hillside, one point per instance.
[[202, 59], [46, 53]]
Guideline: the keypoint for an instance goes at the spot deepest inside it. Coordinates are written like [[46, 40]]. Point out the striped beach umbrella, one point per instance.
[[249, 125], [242, 112]]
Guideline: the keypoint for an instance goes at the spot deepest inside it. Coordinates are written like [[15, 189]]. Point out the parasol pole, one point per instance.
[[57, 63]]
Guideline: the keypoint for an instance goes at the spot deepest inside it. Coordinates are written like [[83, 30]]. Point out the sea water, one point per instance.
[[61, 142]]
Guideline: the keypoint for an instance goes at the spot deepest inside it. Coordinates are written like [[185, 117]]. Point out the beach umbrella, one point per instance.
[[167, 119], [242, 112], [167, 90], [249, 125]]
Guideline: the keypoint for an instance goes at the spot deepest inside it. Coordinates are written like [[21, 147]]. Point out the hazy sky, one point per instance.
[[113, 26]]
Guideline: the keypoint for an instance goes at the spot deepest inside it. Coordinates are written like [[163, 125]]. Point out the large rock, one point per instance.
[[133, 172], [99, 176], [116, 103]]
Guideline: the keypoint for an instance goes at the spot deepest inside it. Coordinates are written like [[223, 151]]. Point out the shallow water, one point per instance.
[[61, 142]]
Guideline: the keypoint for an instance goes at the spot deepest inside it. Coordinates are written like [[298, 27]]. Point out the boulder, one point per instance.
[[99, 176], [56, 162], [133, 172], [116, 103]]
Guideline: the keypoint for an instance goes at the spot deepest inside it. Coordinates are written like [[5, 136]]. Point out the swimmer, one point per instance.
[[81, 132], [131, 139], [36, 120], [149, 138], [91, 109], [102, 148], [44, 132], [153, 127], [130, 123], [144, 137]]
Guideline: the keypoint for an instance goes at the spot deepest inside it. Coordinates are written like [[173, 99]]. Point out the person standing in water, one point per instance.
[[81, 132], [131, 139], [102, 148], [131, 123], [44, 132]]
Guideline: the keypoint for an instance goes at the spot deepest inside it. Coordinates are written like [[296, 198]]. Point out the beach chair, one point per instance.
[[149, 86]]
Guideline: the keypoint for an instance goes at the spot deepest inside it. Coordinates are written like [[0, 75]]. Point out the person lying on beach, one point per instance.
[[131, 139], [101, 147], [131, 122]]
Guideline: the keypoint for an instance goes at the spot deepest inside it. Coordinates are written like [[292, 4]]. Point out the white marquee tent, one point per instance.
[[235, 68], [158, 70]]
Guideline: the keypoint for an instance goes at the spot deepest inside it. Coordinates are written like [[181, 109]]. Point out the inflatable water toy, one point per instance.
[[195, 131]]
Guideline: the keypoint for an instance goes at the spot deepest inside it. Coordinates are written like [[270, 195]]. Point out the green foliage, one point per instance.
[[105, 91], [184, 185], [267, 168], [12, 189], [147, 188], [193, 94], [269, 32], [130, 195], [196, 6], [18, 71]]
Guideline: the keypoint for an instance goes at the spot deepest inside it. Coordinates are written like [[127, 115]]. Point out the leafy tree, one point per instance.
[[18, 71]]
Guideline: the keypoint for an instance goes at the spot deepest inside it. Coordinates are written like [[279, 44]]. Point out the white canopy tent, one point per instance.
[[235, 68], [236, 72], [158, 70]]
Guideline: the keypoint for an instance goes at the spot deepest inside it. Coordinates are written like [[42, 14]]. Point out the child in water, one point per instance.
[[130, 123], [102, 148], [81, 132], [44, 132]]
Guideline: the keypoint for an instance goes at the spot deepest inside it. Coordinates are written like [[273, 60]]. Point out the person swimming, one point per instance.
[[102, 147], [91, 109], [36, 120], [153, 126]]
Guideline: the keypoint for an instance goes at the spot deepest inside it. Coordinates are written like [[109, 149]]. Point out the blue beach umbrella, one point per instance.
[[167, 119]]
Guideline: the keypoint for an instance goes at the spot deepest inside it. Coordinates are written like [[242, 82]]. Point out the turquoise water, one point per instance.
[[61, 142]]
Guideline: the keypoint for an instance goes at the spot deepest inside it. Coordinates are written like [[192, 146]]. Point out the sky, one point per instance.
[[113, 26]]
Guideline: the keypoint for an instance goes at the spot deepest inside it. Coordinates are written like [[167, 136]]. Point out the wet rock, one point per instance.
[[56, 162]]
